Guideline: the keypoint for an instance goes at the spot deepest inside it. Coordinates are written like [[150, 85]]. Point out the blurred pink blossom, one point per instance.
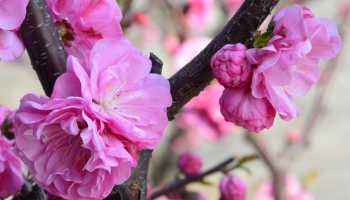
[[198, 13], [188, 50], [171, 43], [11, 179], [82, 23], [11, 46], [119, 87], [230, 66], [233, 5], [239, 106], [294, 136], [293, 191], [190, 164], [69, 149], [232, 188], [202, 116]]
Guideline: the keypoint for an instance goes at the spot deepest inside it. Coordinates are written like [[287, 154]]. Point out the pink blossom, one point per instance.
[[293, 191], [288, 66], [188, 50], [171, 43], [198, 14], [232, 188], [230, 66], [117, 83], [11, 46], [233, 5], [202, 116], [82, 23], [239, 106], [11, 179], [190, 164], [294, 136], [69, 149]]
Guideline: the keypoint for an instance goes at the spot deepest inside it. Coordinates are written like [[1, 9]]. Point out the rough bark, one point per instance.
[[44, 46]]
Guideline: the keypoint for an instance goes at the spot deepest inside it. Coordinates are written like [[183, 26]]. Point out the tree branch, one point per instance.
[[269, 160], [196, 75], [45, 48], [180, 183]]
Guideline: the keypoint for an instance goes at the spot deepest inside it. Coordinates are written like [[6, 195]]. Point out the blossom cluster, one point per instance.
[[293, 190], [264, 80], [84, 139]]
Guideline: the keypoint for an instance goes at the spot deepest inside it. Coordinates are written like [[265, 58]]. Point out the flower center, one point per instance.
[[66, 31]]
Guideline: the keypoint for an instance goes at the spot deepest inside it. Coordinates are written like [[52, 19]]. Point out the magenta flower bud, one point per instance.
[[230, 67], [190, 164], [232, 188]]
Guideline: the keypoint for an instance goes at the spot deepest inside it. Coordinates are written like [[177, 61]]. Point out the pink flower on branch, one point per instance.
[[83, 23], [289, 64], [119, 87], [284, 65], [11, 46], [104, 109], [11, 179], [69, 150]]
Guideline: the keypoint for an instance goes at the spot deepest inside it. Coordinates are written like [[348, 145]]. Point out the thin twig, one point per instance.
[[181, 183], [271, 163]]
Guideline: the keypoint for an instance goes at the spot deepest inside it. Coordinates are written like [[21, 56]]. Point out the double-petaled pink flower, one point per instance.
[[83, 23], [12, 14], [287, 67], [293, 191], [84, 139]]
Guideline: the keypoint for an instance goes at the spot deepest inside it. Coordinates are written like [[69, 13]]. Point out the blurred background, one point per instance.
[[165, 28]]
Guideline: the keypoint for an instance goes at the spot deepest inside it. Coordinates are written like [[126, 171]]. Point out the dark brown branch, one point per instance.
[[196, 75], [271, 163], [181, 183], [45, 49]]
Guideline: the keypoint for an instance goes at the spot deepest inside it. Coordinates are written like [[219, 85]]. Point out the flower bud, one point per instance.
[[230, 67], [232, 188], [190, 164]]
